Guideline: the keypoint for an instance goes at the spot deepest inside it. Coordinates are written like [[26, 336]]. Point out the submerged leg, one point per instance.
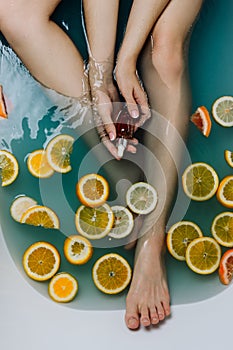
[[165, 76]]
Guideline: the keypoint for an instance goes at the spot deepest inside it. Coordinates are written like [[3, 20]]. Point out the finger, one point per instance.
[[111, 148], [105, 111], [131, 149], [133, 141]]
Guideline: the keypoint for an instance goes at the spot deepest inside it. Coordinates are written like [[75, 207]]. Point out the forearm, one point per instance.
[[101, 24], [142, 18]]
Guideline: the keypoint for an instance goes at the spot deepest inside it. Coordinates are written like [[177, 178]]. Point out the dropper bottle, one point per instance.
[[124, 130]]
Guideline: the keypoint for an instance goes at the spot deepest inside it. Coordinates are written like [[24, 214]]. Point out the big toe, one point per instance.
[[132, 322]]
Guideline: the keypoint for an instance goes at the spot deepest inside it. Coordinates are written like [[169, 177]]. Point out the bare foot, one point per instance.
[[148, 300]]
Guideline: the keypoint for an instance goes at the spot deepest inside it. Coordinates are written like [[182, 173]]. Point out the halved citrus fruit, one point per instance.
[[111, 273], [229, 157], [203, 255], [41, 261], [141, 198], [92, 190], [200, 181], [40, 215], [123, 222], [77, 249], [179, 236], [222, 229], [63, 287], [94, 223], [3, 111], [225, 271], [38, 165], [225, 191], [20, 205], [222, 111], [201, 119], [58, 153], [9, 168]]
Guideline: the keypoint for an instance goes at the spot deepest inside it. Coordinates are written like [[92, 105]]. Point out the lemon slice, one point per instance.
[[40, 215], [222, 111], [9, 168], [92, 190], [41, 261], [94, 223], [38, 165], [222, 229], [229, 157], [200, 181], [123, 222], [179, 236], [111, 273], [225, 191], [63, 287], [141, 198], [77, 249], [20, 205], [58, 153], [203, 255]]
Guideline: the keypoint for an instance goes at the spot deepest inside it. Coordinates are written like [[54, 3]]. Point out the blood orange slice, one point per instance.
[[225, 271], [201, 119]]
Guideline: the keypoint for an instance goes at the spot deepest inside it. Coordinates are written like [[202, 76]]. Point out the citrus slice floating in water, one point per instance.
[[92, 190], [203, 255], [58, 153], [123, 222], [222, 111], [77, 249], [201, 119], [38, 164], [9, 168], [225, 191], [200, 181], [222, 229], [63, 287], [20, 205], [179, 236], [3, 111], [94, 223], [141, 198], [111, 273], [225, 271], [40, 215], [41, 261], [229, 157]]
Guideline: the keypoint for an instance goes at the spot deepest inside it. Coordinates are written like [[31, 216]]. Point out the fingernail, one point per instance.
[[134, 114], [111, 136]]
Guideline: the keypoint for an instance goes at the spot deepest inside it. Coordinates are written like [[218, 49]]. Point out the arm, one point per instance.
[[142, 18]]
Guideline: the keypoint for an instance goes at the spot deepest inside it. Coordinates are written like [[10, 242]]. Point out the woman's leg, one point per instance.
[[44, 48], [164, 74]]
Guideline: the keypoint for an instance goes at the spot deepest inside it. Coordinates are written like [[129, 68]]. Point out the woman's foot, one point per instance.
[[148, 300]]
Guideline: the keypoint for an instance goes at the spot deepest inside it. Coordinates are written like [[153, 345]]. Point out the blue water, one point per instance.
[[34, 120]]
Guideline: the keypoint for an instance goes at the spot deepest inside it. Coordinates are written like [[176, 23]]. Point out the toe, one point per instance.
[[145, 318], [131, 316], [160, 311], [154, 316], [166, 307]]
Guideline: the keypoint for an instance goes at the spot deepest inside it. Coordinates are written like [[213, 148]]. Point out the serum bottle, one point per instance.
[[124, 130]]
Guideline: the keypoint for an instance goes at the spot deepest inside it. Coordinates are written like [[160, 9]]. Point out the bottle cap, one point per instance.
[[121, 146]]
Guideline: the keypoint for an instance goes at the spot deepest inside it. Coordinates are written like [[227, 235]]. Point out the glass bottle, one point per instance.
[[124, 130]]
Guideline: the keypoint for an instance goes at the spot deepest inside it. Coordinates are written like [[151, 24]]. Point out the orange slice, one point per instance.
[[77, 249], [38, 165], [222, 229], [92, 190], [63, 287], [3, 111], [200, 181], [225, 191], [41, 261], [201, 119], [94, 223], [20, 205], [229, 157], [111, 273], [9, 168], [179, 236], [203, 255], [40, 215], [225, 271]]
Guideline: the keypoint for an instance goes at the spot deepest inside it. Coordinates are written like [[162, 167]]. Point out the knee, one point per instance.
[[168, 58]]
